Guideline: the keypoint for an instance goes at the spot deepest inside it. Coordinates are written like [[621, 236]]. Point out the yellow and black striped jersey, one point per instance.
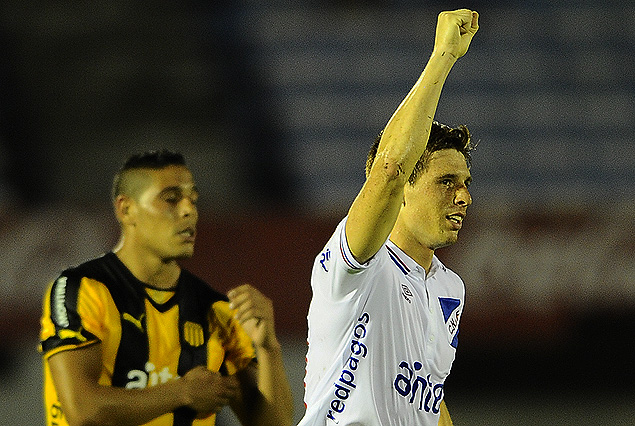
[[147, 336]]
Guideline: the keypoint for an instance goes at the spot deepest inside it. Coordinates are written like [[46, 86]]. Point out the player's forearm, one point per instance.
[[105, 405], [406, 134], [374, 211], [277, 401]]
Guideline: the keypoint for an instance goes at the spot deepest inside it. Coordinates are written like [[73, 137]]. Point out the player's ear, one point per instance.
[[407, 188], [124, 209]]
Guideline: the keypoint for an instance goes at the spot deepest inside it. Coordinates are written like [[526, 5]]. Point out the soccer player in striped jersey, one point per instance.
[[132, 338]]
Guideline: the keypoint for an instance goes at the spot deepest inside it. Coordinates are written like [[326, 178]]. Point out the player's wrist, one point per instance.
[[270, 346], [183, 396], [443, 56]]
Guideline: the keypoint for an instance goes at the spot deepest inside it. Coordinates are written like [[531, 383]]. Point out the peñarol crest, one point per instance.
[[193, 334]]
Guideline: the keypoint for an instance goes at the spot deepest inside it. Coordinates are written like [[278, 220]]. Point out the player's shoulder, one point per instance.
[[101, 269], [199, 288], [202, 297], [336, 237], [337, 249]]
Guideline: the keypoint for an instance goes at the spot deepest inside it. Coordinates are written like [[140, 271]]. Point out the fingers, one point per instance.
[[471, 23], [209, 391], [249, 303], [467, 21], [465, 16], [254, 312], [474, 24]]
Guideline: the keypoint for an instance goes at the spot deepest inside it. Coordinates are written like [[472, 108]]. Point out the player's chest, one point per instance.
[[419, 320]]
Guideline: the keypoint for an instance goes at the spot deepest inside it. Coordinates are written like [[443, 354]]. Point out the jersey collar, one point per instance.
[[408, 265]]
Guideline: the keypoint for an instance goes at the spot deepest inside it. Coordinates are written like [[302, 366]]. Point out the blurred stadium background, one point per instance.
[[275, 104]]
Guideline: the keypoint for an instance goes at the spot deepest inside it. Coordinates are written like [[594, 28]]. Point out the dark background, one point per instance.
[[274, 105]]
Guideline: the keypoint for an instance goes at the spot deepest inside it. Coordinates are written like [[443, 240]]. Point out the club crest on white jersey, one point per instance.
[[451, 309]]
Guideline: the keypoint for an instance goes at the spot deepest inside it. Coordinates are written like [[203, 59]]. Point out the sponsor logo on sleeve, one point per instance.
[[60, 314], [325, 256]]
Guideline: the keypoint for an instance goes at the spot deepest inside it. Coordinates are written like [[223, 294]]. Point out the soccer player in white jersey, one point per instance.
[[383, 320]]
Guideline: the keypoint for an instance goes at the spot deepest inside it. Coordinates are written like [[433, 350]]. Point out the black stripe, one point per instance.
[[128, 294], [195, 299], [184, 416]]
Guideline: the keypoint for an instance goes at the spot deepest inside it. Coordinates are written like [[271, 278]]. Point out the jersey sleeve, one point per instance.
[[62, 326], [239, 349], [336, 273]]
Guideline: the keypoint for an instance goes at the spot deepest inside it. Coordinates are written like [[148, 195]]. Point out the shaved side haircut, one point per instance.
[[131, 178]]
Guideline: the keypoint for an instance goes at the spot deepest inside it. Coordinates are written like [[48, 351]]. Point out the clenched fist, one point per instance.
[[455, 31]]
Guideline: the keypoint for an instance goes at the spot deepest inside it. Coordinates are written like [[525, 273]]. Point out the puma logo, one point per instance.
[[136, 322]]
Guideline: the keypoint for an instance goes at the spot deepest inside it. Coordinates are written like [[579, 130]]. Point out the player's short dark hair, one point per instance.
[[441, 137], [156, 159], [150, 160]]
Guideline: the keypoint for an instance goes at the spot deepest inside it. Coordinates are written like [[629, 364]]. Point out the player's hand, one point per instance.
[[206, 392], [455, 31], [254, 311]]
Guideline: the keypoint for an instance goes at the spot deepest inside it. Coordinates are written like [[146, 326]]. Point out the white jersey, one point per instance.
[[382, 337]]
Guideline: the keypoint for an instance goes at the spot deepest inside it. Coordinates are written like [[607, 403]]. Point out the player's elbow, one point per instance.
[[388, 180], [86, 414], [390, 170], [390, 164], [75, 418]]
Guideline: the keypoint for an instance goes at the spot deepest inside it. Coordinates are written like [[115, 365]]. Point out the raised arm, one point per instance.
[[84, 401], [374, 211]]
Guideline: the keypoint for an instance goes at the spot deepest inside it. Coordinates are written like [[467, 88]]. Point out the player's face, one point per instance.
[[436, 204], [166, 214]]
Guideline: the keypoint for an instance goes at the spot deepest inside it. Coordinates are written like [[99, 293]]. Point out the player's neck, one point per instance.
[[418, 252], [147, 268]]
